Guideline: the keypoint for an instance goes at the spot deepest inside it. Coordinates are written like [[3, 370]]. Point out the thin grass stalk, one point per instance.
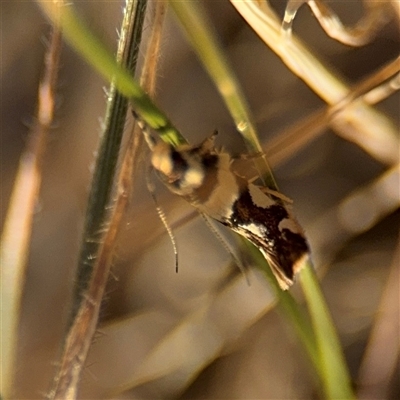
[[200, 35], [291, 310], [380, 360], [195, 25], [92, 269], [333, 371], [17, 231], [81, 333], [106, 164]]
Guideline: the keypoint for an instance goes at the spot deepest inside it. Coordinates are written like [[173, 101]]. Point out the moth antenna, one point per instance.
[[161, 215], [151, 142], [226, 246]]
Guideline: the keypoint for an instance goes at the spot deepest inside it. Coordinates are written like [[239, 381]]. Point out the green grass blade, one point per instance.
[[94, 52], [289, 307], [106, 163], [333, 370], [199, 33]]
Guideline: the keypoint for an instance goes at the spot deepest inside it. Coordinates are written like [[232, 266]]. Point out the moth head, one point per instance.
[[180, 167]]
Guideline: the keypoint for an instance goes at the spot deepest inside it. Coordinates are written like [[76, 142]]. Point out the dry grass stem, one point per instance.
[[382, 354], [356, 213], [373, 89], [175, 360], [16, 235]]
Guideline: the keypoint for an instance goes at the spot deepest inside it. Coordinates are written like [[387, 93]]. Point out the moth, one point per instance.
[[204, 177]]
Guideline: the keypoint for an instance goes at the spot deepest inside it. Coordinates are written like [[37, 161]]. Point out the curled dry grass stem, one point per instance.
[[375, 15], [16, 235], [361, 121]]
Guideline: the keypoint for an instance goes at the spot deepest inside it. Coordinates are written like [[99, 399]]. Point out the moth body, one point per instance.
[[204, 177]]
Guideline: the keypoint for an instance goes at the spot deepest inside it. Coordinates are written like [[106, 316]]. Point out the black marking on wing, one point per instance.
[[283, 246]]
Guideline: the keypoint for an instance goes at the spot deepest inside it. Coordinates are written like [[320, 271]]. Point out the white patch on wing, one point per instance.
[[290, 224], [259, 198], [254, 229]]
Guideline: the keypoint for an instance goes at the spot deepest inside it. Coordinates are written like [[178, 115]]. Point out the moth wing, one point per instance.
[[271, 227], [284, 281]]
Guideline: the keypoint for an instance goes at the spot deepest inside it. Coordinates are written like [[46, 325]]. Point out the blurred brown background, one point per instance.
[[260, 357]]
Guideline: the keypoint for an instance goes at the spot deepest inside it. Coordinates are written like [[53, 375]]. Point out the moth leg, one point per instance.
[[240, 166], [272, 192], [151, 142], [275, 193], [152, 190], [252, 156], [207, 145], [246, 157]]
